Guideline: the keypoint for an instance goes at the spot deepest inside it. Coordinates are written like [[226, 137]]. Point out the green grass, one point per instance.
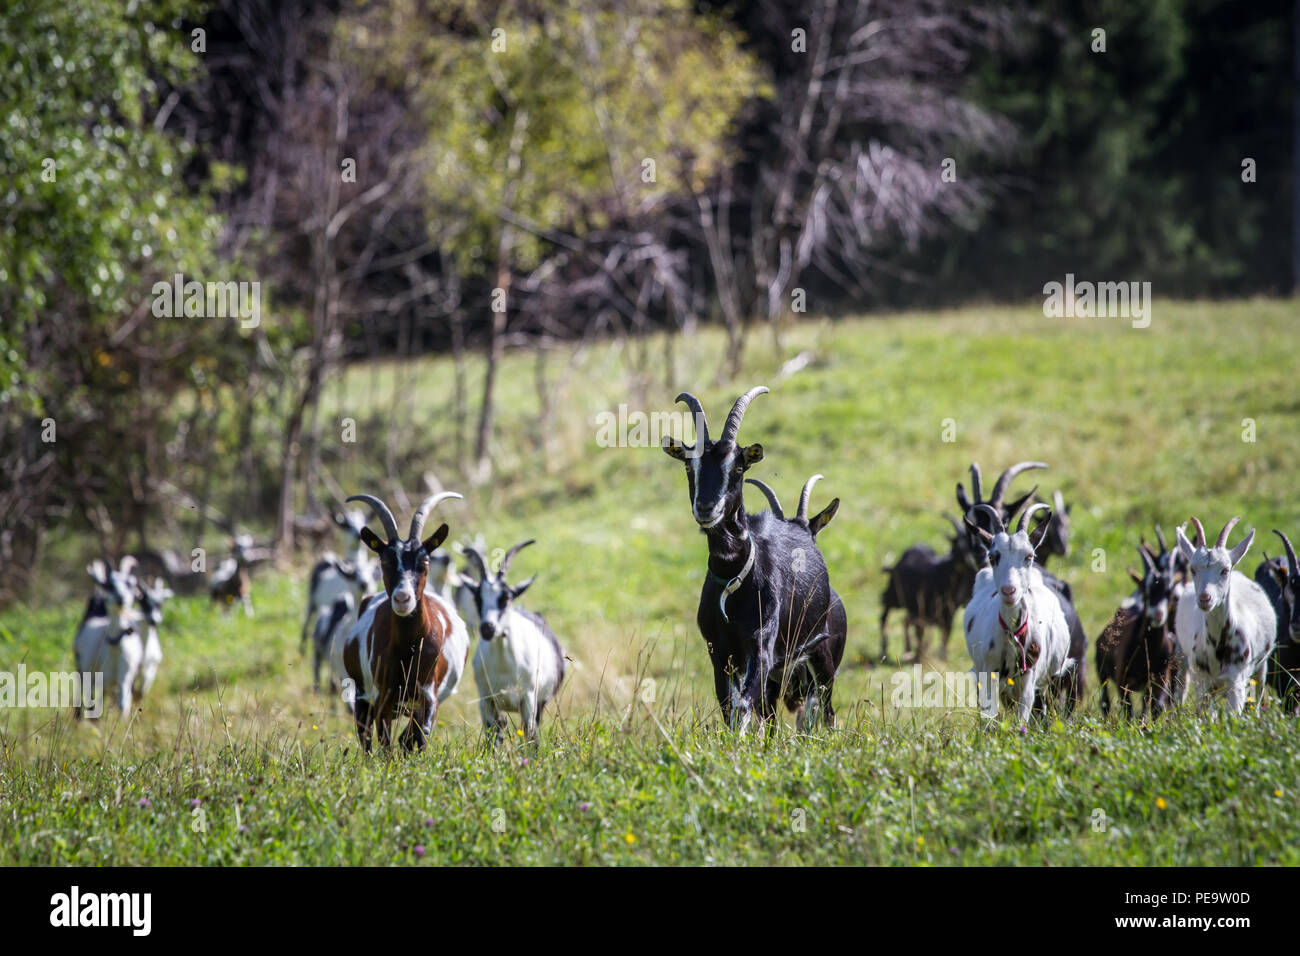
[[1139, 426]]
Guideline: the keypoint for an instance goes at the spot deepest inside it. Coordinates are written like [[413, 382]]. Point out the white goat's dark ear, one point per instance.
[[431, 543], [372, 540], [822, 518], [519, 589], [752, 454], [674, 448], [1136, 577], [1242, 547]]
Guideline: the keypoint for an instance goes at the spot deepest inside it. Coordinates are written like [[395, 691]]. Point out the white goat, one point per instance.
[[1225, 625], [518, 664], [111, 619], [1015, 630]]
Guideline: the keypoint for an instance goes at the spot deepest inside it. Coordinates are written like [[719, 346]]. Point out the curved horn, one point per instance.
[[127, 564], [475, 556], [1020, 526], [802, 513], [1290, 554], [769, 494], [701, 423], [1148, 562], [732, 425], [428, 504], [976, 483], [1200, 532], [1160, 536], [385, 516], [505, 562], [1223, 535], [993, 514], [1058, 502], [1008, 476]]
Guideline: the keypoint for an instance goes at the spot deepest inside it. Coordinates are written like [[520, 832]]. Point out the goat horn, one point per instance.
[[732, 425], [1014, 507], [385, 516], [1200, 532], [769, 494], [1058, 501], [1005, 479], [802, 513], [505, 562], [701, 423], [1148, 561], [127, 564], [1222, 542], [1020, 526], [1290, 554], [976, 483], [1160, 536], [428, 504], [996, 518], [475, 556]]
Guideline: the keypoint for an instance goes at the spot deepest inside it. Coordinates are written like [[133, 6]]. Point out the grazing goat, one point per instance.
[[1225, 624], [396, 654], [1137, 652], [1014, 625], [767, 613], [230, 581], [1066, 689], [929, 589], [332, 577], [1054, 531], [1280, 579], [518, 664], [111, 618]]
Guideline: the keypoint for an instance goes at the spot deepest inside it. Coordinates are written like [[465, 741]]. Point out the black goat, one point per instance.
[[1137, 652], [767, 612], [1056, 533], [1067, 689], [930, 589], [1281, 582]]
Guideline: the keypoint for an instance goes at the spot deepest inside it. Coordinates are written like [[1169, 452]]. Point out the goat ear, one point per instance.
[[1136, 577], [752, 454], [519, 589], [1039, 532], [431, 543], [974, 527], [372, 540], [1240, 550], [674, 448], [965, 502], [823, 517]]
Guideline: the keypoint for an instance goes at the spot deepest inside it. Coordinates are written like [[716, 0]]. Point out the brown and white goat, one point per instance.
[[393, 656]]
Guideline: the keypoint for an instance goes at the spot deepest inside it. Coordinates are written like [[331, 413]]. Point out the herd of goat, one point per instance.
[[393, 617]]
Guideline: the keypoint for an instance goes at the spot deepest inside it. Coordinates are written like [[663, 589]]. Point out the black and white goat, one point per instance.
[[231, 581], [1225, 623], [1280, 579], [1137, 652], [772, 625], [518, 664], [1015, 630], [1067, 689], [332, 576], [151, 655], [111, 641], [929, 588]]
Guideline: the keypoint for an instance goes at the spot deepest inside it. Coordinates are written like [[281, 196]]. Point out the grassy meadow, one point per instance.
[[233, 760]]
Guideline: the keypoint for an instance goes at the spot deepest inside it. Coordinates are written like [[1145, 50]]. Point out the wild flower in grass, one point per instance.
[[584, 806], [196, 802], [419, 850], [629, 838], [428, 822], [144, 802], [243, 828], [1161, 803], [920, 842], [523, 762], [520, 732], [1277, 792]]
